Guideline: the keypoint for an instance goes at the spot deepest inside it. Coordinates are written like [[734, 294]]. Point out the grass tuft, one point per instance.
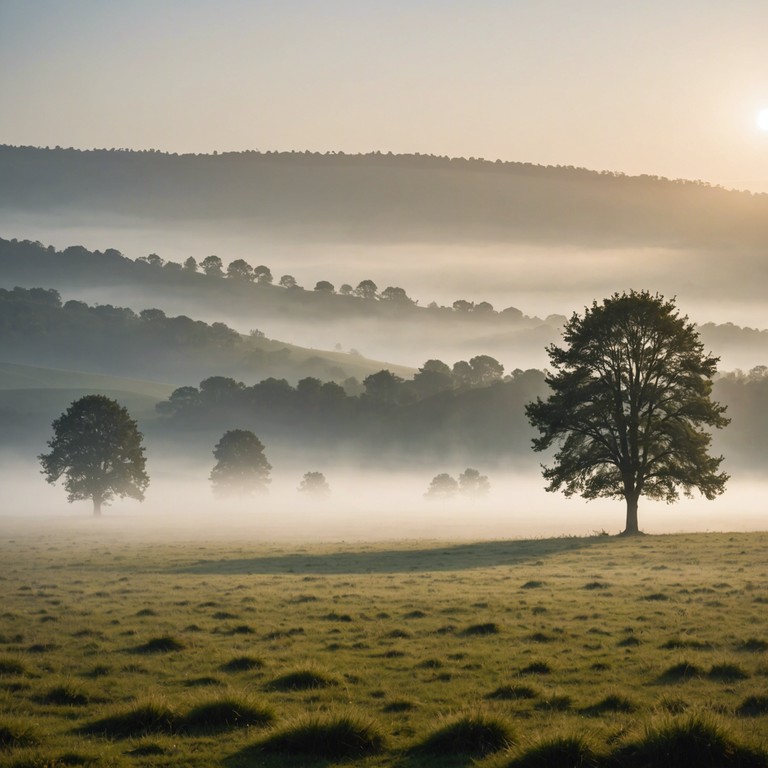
[[691, 741], [753, 645], [536, 668], [11, 667], [727, 673], [242, 664], [66, 694], [489, 628], [164, 644], [15, 733], [302, 680], [329, 736], [753, 706], [611, 703], [513, 693], [148, 716], [557, 752], [226, 712], [682, 671], [475, 734]]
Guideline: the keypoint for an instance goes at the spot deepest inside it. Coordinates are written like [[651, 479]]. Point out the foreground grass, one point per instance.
[[593, 651]]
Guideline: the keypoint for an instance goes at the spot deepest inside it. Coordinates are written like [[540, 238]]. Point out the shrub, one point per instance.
[[536, 668], [475, 734], [225, 712], [330, 737], [681, 671], [753, 645], [66, 694], [611, 703]]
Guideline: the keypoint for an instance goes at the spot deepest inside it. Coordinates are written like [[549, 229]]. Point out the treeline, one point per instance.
[[386, 197], [252, 285], [37, 328], [470, 409]]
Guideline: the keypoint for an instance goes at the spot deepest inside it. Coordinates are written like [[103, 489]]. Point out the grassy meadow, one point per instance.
[[553, 652]]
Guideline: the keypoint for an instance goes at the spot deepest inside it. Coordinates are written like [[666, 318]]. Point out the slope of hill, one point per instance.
[[384, 197]]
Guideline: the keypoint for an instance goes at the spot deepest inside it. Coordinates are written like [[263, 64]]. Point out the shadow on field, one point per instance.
[[437, 558]]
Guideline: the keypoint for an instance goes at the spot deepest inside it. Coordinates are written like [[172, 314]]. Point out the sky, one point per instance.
[[667, 88]]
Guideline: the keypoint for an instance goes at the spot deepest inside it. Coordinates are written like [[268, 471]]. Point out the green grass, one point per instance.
[[549, 659]]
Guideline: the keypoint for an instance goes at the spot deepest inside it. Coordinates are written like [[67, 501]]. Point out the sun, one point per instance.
[[762, 120]]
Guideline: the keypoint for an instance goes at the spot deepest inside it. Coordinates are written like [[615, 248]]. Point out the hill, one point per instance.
[[384, 197]]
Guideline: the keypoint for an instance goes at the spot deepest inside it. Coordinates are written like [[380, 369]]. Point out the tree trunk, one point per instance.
[[96, 506], [631, 529]]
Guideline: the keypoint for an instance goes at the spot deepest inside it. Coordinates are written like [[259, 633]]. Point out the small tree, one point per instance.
[[472, 483], [96, 446], [314, 485], [262, 274], [442, 486], [630, 406], [288, 281], [366, 289], [212, 266], [323, 286], [241, 467], [240, 269], [190, 264]]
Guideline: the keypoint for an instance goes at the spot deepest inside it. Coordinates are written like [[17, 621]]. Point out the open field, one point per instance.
[[118, 652]]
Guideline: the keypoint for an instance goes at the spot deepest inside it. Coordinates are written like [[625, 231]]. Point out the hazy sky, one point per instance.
[[644, 86]]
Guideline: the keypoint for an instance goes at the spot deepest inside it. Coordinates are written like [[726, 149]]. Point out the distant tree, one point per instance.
[[241, 467], [314, 485], [485, 370], [472, 483], [442, 486], [212, 266], [483, 307], [262, 274], [288, 281], [433, 377], [383, 387], [630, 409], [152, 315], [172, 266], [240, 269], [397, 296], [255, 333], [461, 305], [462, 374], [190, 264], [346, 289], [323, 286], [153, 260], [366, 289], [96, 446]]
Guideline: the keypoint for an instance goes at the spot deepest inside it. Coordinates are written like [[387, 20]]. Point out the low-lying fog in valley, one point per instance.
[[364, 505]]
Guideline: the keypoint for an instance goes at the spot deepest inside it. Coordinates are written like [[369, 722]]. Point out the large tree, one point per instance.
[[96, 446], [630, 408], [241, 466]]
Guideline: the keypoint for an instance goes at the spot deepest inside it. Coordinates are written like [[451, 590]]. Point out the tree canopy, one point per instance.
[[96, 446], [241, 466], [630, 406]]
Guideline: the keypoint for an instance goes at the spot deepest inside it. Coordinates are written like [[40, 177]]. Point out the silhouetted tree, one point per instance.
[[630, 405], [262, 274], [442, 486], [212, 266], [190, 264], [472, 483], [461, 305], [485, 370], [346, 289], [240, 269], [323, 286], [383, 387], [96, 446], [288, 281], [483, 307], [241, 467], [366, 289], [433, 377], [396, 296], [315, 485]]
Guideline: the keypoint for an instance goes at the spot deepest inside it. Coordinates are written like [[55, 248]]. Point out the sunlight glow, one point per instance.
[[762, 119]]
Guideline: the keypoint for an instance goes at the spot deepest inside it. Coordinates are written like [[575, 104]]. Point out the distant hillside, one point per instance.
[[384, 197]]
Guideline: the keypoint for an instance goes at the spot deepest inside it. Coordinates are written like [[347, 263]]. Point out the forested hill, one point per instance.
[[385, 197]]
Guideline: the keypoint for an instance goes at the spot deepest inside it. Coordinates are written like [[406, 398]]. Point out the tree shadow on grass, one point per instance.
[[438, 558]]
